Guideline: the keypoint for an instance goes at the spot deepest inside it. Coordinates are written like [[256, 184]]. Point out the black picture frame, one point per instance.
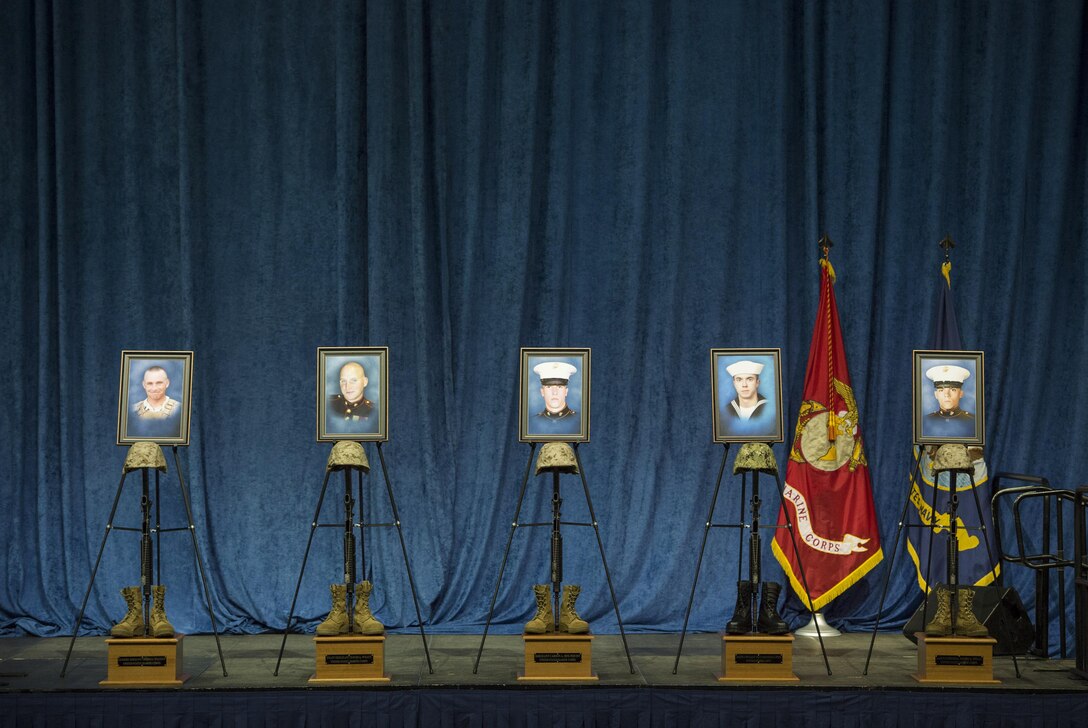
[[352, 393], [540, 417], [154, 397], [950, 417], [762, 421]]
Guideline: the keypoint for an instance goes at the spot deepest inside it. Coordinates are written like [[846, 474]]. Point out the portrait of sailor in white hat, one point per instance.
[[554, 387], [749, 413], [748, 401], [949, 419]]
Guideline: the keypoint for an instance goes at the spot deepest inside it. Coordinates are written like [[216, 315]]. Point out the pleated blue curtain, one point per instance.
[[251, 181]]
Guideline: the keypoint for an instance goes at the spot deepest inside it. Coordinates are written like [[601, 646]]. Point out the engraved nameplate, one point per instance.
[[756, 658], [349, 659], [142, 661], [959, 660], [557, 657]]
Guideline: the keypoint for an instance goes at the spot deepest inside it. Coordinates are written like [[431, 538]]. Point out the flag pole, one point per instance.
[[817, 625]]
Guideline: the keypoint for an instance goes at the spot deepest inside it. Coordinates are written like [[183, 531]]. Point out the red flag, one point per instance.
[[827, 488]]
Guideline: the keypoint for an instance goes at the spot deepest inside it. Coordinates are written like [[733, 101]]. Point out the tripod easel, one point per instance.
[[954, 460], [349, 457], [753, 458], [145, 457], [557, 538]]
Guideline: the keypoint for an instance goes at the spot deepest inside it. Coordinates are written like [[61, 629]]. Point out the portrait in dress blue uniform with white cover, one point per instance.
[[154, 398], [747, 395], [949, 406], [554, 401], [352, 393]]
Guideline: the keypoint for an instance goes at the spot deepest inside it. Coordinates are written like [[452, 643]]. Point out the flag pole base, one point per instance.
[[825, 629]]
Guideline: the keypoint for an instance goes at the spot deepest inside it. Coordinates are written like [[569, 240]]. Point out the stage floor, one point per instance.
[[30, 664]]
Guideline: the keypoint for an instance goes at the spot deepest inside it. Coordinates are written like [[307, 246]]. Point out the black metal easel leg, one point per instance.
[[699, 559], [891, 565], [929, 556], [199, 561], [301, 570], [94, 573], [741, 524], [158, 532], [990, 557], [801, 568], [604, 561], [404, 552], [506, 554]]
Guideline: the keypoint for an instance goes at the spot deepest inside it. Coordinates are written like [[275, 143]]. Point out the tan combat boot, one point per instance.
[[544, 619], [160, 626], [365, 623], [941, 626], [337, 621], [133, 623], [569, 621], [967, 624]]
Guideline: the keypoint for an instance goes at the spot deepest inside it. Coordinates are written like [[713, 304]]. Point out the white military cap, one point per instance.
[[554, 372], [741, 368], [947, 375]]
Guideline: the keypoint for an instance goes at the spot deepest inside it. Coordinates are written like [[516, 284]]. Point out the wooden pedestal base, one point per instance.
[[144, 662], [757, 658], [558, 656], [955, 660], [350, 658]]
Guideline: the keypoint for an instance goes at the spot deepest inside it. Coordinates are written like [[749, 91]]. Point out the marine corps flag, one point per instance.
[[930, 502], [827, 485]]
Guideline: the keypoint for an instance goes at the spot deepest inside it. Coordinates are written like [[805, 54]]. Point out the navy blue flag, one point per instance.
[[930, 500]]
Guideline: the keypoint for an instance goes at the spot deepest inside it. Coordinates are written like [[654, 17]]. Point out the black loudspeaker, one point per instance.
[[997, 607]]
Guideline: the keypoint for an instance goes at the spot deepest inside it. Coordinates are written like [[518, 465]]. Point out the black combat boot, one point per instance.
[[769, 621], [741, 623]]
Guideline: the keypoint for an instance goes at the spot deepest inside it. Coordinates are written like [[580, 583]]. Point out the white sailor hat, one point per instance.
[[741, 368], [947, 375], [554, 372]]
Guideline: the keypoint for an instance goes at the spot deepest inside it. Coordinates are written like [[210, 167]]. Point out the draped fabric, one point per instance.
[[252, 180]]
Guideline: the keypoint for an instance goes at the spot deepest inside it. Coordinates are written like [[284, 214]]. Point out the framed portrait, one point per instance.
[[949, 401], [554, 400], [747, 395], [352, 393], [154, 397]]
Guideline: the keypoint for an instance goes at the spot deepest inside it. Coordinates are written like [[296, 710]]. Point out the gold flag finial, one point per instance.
[[946, 266], [825, 244]]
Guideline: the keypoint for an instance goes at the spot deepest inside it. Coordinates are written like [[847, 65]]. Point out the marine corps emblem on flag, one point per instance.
[[825, 439]]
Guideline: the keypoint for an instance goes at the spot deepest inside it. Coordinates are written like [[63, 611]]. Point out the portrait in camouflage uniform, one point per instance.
[[154, 397]]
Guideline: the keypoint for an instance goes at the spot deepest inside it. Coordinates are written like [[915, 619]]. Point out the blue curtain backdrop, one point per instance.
[[252, 180]]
